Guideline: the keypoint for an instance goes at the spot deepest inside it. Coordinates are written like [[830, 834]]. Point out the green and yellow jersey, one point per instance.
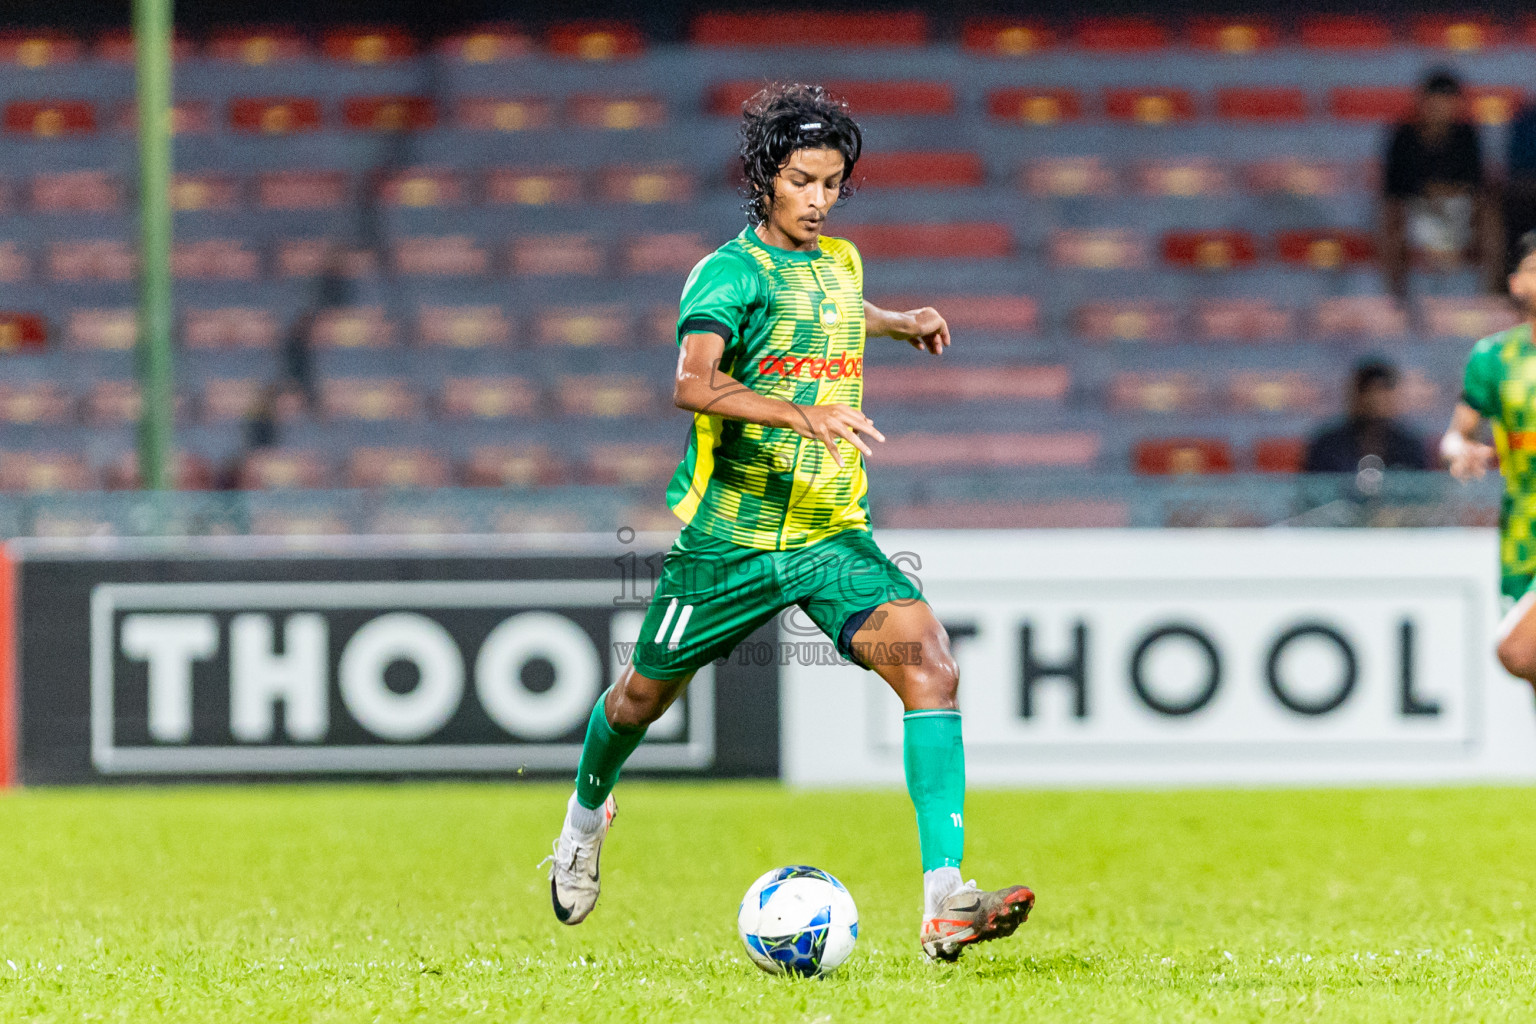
[[1501, 384], [793, 324]]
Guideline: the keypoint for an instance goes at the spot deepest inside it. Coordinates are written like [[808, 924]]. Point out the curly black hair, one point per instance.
[[782, 119]]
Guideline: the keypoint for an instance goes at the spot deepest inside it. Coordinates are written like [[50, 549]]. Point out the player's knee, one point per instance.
[[934, 682], [1518, 656]]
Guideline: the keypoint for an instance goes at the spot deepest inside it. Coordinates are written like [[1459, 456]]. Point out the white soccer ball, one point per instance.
[[798, 920]]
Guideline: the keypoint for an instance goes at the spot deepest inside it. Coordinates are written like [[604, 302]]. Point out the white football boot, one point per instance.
[[574, 879]]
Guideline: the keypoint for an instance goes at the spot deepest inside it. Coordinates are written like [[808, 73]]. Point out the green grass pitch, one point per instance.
[[423, 903]]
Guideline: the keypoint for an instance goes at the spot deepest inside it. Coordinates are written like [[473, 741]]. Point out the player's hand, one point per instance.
[[828, 423], [1473, 460], [928, 332]]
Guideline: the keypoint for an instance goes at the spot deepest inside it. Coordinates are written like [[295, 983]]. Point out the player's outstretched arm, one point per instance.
[[702, 387], [1466, 456], [924, 328]]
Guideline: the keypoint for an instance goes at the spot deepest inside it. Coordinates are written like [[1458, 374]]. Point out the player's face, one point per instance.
[[1522, 284], [804, 193]]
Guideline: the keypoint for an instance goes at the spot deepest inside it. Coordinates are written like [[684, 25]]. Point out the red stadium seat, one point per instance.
[[39, 48], [463, 326], [103, 330], [1193, 456], [488, 398], [35, 402], [924, 385], [1186, 178], [1121, 35], [1254, 103], [610, 324], [376, 45], [1360, 316], [352, 327], [192, 117], [1068, 176], [606, 395], [22, 332], [674, 252], [222, 259], [188, 472], [529, 465], [302, 190], [664, 184], [389, 113], [1269, 391], [920, 169], [1345, 32], [420, 187], [513, 187], [1279, 454], [1098, 248], [76, 192], [1298, 177], [41, 472], [1461, 33], [1127, 320], [488, 44], [1243, 320], [313, 257], [274, 115], [1034, 106], [397, 467], [802, 29], [1326, 250], [1467, 317], [440, 256], [973, 241], [615, 113], [1006, 37], [230, 327], [47, 119], [369, 399], [1008, 515], [595, 40], [274, 469], [104, 259], [191, 192], [498, 114], [1017, 314], [235, 400], [625, 463], [1172, 391], [1149, 106], [1234, 35], [257, 46], [116, 403], [1494, 105], [1209, 250], [897, 97], [1058, 449], [580, 254], [1370, 103]]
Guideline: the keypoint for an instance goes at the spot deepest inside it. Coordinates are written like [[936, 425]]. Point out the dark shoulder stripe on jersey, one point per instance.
[[706, 325]]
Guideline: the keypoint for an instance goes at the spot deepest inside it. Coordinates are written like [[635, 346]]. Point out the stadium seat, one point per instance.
[[41, 472], [272, 469], [867, 98], [75, 192], [966, 241], [1251, 319], [1299, 177], [188, 472], [1235, 35], [488, 398], [1034, 106], [1098, 248], [101, 259], [925, 385], [1345, 32], [595, 324], [1192, 456], [498, 114], [223, 259], [235, 400], [511, 187], [257, 46], [104, 330], [628, 463], [397, 467], [39, 48], [389, 113], [1149, 106], [1209, 250], [528, 465], [353, 327], [1121, 35], [193, 192], [421, 187], [230, 327], [1068, 176], [1008, 515], [1360, 316], [1467, 317], [1006, 37], [1180, 178], [920, 169], [367, 45], [1494, 106], [1462, 33], [1127, 320], [284, 115], [606, 395], [594, 40], [117, 403], [22, 332], [487, 44], [1279, 454], [116, 47], [1012, 314], [48, 119], [1254, 103], [809, 29], [1326, 250], [1158, 392], [673, 252], [1060, 449], [369, 399], [615, 113], [577, 254], [35, 402], [463, 326], [661, 184], [302, 190], [440, 256], [1370, 103], [313, 257], [1271, 391]]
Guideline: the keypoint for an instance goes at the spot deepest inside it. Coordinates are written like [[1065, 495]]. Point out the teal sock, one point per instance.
[[934, 756], [602, 755]]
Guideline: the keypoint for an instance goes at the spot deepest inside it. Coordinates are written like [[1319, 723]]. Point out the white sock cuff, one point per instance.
[[584, 820], [938, 885]]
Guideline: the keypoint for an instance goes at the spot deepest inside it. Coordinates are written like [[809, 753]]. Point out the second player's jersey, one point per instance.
[[793, 324], [1501, 384]]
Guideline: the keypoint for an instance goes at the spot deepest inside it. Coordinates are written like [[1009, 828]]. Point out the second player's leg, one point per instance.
[[1517, 639]]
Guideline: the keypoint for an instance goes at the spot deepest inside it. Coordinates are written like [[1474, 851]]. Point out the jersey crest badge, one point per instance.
[[830, 314]]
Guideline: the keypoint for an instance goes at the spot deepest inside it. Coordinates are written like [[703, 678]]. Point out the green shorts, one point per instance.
[[713, 594]]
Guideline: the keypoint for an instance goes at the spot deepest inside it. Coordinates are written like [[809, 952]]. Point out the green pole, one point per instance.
[[152, 45]]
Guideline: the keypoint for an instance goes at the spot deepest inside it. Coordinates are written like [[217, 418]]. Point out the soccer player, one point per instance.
[[772, 493], [1500, 385]]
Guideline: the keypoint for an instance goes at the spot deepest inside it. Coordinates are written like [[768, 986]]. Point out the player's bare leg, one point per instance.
[[1517, 640], [907, 646], [617, 725]]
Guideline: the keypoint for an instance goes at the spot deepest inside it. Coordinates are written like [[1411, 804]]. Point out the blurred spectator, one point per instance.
[[1520, 187], [1437, 205], [1369, 429]]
